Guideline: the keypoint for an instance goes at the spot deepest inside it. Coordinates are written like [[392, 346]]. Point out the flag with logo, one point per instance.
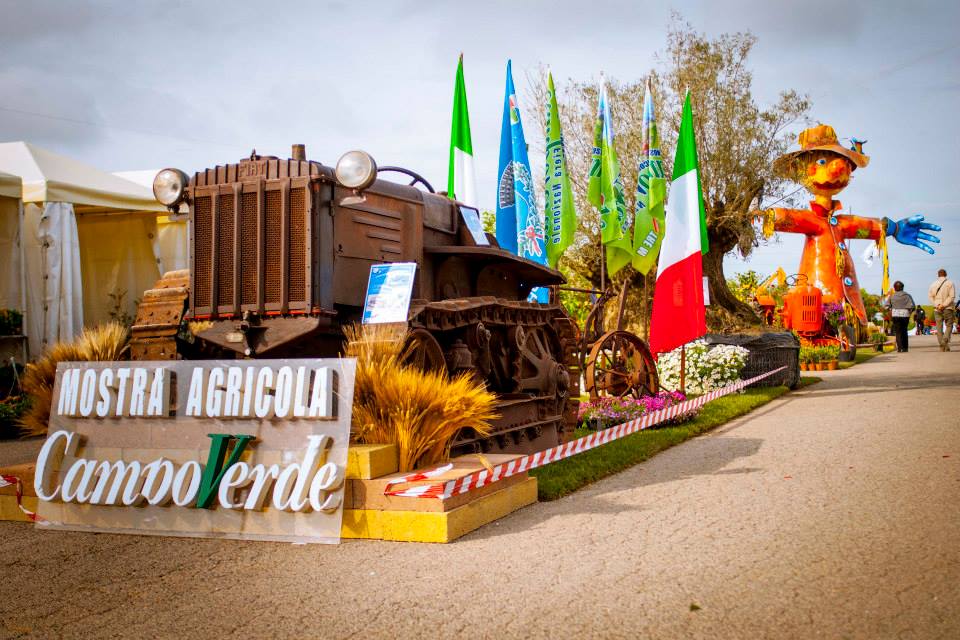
[[461, 176], [651, 193], [559, 209], [678, 313], [520, 227], [605, 190]]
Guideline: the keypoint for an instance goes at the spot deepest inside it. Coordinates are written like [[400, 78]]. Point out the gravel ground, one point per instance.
[[832, 512]]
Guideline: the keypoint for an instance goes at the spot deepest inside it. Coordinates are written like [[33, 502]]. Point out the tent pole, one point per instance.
[[23, 283]]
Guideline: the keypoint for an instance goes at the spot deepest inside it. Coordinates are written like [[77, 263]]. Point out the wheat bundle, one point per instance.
[[105, 342], [419, 411]]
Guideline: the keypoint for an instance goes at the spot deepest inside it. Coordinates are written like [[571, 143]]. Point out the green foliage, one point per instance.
[[118, 309], [862, 356], [871, 303], [815, 354], [562, 478], [489, 221], [11, 409], [744, 285], [11, 322]]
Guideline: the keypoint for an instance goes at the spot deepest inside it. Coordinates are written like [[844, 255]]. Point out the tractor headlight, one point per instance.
[[170, 187], [356, 170]]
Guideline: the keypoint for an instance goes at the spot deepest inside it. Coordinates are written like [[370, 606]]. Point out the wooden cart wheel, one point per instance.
[[423, 351], [620, 365]]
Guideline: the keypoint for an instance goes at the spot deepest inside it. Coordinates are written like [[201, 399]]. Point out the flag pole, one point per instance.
[[603, 267], [683, 369], [646, 308]]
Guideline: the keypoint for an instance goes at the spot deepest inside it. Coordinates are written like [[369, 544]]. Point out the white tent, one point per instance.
[[12, 287], [88, 241], [172, 241]]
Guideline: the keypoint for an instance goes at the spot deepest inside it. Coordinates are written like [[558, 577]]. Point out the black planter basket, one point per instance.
[[768, 351]]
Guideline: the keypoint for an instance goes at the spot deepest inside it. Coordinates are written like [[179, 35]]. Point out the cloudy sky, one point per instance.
[[137, 85]]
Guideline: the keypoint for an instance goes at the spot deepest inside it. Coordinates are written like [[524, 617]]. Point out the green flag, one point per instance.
[[685, 165], [651, 193], [605, 190], [561, 212], [461, 177]]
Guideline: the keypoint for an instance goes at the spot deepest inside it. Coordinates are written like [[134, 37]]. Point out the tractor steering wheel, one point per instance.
[[795, 279], [417, 178]]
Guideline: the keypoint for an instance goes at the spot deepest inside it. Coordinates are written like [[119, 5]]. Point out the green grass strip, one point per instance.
[[562, 478], [864, 354]]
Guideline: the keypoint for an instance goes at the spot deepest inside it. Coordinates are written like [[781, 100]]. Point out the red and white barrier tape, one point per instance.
[[6, 481], [477, 479]]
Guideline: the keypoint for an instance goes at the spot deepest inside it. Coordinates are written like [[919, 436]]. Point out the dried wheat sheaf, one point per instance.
[[419, 411], [105, 342]]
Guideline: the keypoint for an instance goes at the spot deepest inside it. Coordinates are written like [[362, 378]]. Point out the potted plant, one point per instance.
[[804, 357], [815, 359], [831, 354], [11, 322], [878, 339]]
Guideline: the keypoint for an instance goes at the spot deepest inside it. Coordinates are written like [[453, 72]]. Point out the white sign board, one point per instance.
[[389, 288], [246, 449]]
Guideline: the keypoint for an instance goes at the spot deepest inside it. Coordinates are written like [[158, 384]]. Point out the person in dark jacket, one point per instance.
[[920, 317], [901, 307]]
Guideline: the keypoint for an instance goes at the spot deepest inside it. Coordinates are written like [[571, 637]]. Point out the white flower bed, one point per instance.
[[708, 367]]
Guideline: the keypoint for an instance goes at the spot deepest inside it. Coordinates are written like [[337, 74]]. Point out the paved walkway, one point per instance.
[[833, 512]]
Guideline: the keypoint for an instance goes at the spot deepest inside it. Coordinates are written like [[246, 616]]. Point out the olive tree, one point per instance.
[[737, 141]]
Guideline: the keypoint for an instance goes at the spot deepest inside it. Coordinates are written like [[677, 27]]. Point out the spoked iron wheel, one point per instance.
[[621, 365], [423, 351]]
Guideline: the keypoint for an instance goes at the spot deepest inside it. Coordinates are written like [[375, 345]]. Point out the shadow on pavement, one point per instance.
[[696, 457]]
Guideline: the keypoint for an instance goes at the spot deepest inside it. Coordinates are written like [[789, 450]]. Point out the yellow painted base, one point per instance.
[[366, 461], [10, 511], [433, 526]]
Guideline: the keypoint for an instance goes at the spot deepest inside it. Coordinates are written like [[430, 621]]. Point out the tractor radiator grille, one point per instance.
[[270, 251], [203, 240], [248, 249], [298, 246], [273, 250], [225, 250]]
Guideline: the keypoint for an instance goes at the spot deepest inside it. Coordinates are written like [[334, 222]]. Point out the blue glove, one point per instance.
[[910, 231]]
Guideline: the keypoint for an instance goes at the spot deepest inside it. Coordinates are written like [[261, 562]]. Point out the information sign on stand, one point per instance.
[[471, 217], [388, 293], [252, 450]]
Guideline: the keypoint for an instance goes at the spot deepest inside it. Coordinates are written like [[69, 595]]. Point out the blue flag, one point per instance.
[[520, 226]]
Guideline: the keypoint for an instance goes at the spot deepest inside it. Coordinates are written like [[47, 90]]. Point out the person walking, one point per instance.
[[919, 317], [942, 295], [901, 306]]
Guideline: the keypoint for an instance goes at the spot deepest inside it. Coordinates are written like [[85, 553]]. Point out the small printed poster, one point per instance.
[[706, 291], [472, 219], [388, 292]]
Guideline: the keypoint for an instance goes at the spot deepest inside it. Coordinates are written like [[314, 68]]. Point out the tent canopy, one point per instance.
[[10, 186], [48, 177]]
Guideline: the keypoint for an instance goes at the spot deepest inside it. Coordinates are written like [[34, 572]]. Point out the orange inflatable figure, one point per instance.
[[824, 168]]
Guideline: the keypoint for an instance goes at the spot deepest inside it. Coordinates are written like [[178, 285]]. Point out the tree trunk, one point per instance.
[[720, 294]]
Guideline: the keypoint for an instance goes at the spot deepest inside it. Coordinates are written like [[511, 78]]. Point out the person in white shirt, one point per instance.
[[901, 305], [942, 295]]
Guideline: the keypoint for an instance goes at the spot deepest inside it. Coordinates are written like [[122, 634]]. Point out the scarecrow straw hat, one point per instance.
[[819, 138]]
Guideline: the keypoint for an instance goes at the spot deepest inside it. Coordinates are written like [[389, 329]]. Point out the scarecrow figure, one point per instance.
[[823, 167]]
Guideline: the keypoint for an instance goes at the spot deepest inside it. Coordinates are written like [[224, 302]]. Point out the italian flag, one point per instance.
[[461, 178], [678, 315]]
